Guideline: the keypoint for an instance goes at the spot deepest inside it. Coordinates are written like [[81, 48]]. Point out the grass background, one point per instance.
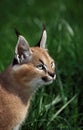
[[58, 106]]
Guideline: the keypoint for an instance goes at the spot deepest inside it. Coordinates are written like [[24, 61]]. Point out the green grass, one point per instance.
[[57, 106]]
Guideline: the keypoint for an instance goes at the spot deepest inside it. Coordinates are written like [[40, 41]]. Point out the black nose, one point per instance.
[[51, 74]]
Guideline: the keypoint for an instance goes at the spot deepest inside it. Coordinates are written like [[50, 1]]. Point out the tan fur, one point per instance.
[[17, 84]]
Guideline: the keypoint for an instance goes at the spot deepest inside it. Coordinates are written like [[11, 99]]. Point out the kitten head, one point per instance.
[[33, 66]]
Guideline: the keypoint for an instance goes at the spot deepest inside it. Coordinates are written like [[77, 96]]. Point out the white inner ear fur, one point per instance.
[[43, 39], [23, 45]]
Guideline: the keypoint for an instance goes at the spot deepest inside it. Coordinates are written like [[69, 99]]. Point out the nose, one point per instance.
[[53, 75]]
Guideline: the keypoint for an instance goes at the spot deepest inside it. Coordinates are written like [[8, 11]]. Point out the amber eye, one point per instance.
[[52, 64], [40, 67]]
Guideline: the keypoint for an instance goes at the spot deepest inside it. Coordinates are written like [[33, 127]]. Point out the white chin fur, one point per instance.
[[36, 83], [47, 83]]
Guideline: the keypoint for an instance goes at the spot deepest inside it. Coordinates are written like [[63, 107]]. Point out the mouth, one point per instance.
[[47, 81]]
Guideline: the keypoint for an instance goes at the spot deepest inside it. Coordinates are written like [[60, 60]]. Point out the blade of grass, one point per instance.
[[55, 101], [61, 87], [61, 109]]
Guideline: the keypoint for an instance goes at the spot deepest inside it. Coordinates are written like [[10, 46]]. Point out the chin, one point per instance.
[[49, 82]]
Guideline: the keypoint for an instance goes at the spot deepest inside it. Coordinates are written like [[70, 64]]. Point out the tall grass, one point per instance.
[[57, 106]]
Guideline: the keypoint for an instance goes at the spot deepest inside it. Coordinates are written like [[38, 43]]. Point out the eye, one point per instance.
[[40, 67], [52, 64]]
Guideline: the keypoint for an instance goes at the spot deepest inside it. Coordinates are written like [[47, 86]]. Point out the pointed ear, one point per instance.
[[22, 51], [42, 42]]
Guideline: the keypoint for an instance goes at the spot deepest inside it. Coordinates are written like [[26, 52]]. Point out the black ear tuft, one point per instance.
[[44, 26], [17, 33]]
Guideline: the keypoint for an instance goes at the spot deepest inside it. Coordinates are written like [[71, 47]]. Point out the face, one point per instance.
[[40, 70], [32, 65], [43, 66]]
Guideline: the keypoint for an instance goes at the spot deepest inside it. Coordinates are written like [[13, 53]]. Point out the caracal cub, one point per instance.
[[30, 68]]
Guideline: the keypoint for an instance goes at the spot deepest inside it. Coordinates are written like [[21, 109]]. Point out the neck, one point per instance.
[[12, 86]]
